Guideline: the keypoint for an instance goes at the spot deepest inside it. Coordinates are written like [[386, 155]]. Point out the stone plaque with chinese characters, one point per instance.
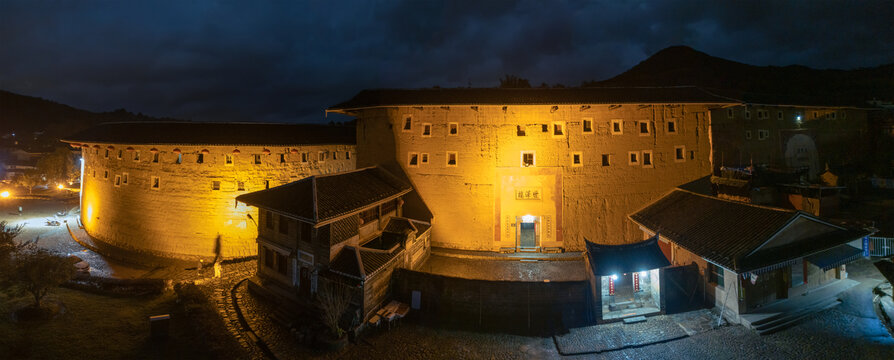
[[527, 193]]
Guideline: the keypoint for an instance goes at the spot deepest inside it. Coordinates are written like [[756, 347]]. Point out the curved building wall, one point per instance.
[[193, 203], [481, 202]]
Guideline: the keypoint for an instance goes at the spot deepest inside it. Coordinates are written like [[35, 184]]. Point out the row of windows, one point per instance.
[[275, 261], [155, 182], [761, 134], [557, 128], [765, 114], [229, 159], [529, 158]]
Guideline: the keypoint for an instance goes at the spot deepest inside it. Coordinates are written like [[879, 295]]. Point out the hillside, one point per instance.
[[25, 115], [794, 84]]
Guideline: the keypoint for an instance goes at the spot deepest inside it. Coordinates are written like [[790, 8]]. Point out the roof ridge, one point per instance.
[[778, 209]]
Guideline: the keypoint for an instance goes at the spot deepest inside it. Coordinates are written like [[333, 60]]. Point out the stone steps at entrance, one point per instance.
[[791, 319]]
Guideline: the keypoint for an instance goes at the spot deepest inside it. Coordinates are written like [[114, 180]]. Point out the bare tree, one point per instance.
[[29, 180], [39, 271], [8, 247], [333, 299]]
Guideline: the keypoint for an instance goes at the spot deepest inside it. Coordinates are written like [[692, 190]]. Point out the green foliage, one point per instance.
[[38, 271], [512, 81], [58, 167]]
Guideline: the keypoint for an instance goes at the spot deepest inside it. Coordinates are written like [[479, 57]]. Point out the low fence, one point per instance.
[[881, 246], [540, 308]]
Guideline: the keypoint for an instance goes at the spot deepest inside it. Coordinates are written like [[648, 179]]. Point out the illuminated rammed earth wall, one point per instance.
[[183, 217], [475, 205]]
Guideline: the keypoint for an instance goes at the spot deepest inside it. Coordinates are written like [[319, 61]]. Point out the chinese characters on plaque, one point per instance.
[[527, 193]]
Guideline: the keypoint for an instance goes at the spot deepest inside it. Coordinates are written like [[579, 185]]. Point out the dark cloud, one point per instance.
[[287, 61]]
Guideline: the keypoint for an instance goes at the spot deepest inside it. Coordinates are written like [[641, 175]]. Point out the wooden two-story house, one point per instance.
[[344, 227]]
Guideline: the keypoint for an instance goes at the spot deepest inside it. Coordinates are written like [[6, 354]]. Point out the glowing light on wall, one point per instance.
[[4, 194], [528, 218], [89, 212], [60, 186]]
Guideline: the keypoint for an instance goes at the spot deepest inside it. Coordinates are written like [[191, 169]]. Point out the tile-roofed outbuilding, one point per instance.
[[321, 198], [347, 263], [208, 133], [735, 235], [531, 96]]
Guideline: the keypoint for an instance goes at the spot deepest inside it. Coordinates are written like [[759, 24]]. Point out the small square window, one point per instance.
[[179, 159], [729, 113], [426, 130], [120, 154], [747, 134], [228, 159], [747, 114], [107, 150], [136, 155], [215, 185], [558, 128], [832, 115], [544, 128], [588, 126], [763, 134], [779, 115], [643, 127], [606, 160], [304, 157], [282, 158], [124, 178], [451, 158], [117, 180], [519, 130], [691, 154], [715, 275], [257, 159], [679, 153], [105, 174], [528, 159], [266, 184], [408, 123], [240, 186], [671, 126], [347, 155], [424, 158], [633, 158], [617, 127], [452, 128], [200, 158], [335, 155], [322, 156], [413, 159], [815, 116], [155, 158], [647, 158], [577, 159], [156, 183]]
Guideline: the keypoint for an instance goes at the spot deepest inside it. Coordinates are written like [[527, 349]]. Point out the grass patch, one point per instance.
[[102, 327]]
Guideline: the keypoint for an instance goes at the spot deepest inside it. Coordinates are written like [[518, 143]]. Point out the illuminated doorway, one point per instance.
[[528, 238], [631, 294]]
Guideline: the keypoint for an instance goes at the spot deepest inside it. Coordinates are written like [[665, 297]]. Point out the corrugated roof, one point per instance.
[[532, 96], [727, 232], [324, 197], [202, 133]]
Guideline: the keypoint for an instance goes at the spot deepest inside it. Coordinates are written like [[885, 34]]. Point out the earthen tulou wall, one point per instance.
[[478, 202], [170, 209]]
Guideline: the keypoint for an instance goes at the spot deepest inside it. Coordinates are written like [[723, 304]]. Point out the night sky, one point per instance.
[[289, 60]]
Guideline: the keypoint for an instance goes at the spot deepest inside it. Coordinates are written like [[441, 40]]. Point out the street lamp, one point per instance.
[[4, 194], [60, 187]]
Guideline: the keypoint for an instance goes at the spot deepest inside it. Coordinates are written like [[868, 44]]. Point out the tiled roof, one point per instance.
[[532, 96], [324, 197], [204, 133], [725, 232], [399, 225], [346, 262], [617, 259]]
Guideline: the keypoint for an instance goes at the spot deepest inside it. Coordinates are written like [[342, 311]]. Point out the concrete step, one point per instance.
[[776, 316], [792, 319], [634, 320]]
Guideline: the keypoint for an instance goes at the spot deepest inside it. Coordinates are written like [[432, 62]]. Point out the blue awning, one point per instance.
[[618, 259], [841, 254]]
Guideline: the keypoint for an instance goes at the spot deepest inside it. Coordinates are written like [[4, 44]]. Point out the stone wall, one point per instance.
[[474, 203], [193, 203]]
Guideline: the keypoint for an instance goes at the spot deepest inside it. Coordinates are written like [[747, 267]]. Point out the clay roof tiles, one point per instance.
[[325, 197], [207, 133], [727, 232], [531, 96]]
